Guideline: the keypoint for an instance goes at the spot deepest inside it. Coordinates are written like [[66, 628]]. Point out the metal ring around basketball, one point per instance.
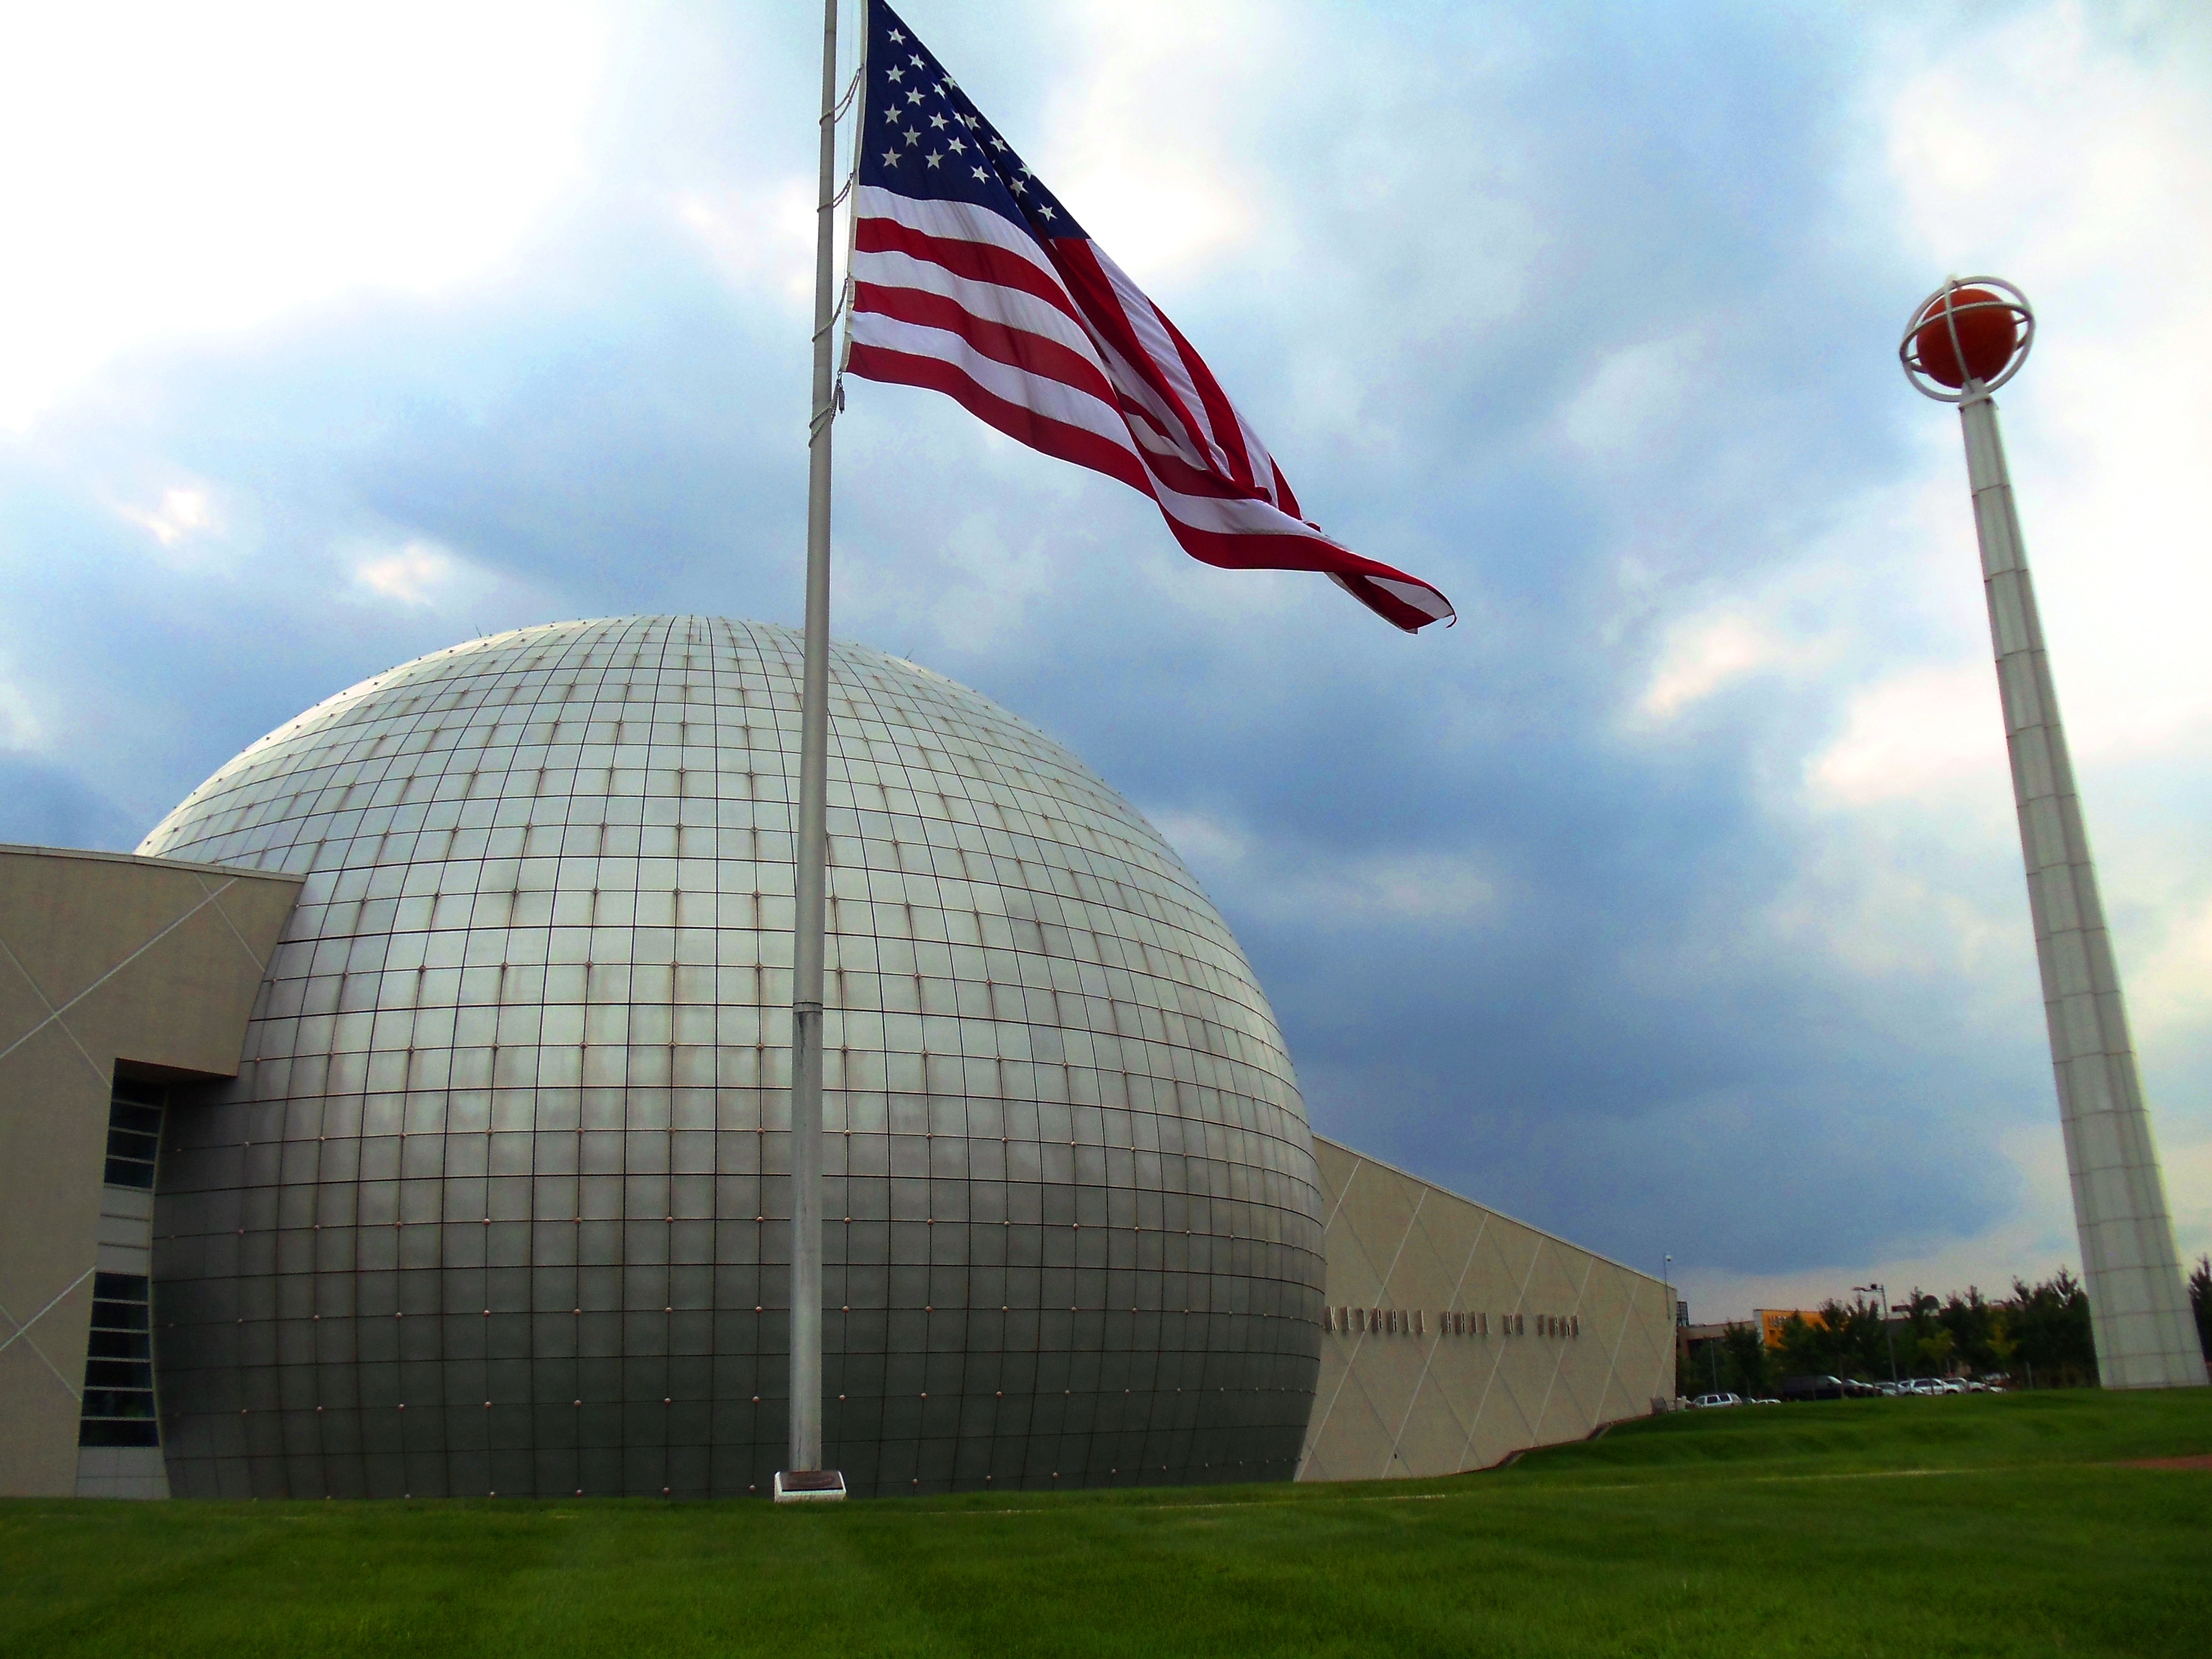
[[1939, 303]]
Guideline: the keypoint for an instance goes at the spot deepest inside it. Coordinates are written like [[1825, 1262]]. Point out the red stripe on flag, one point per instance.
[[1040, 432], [1228, 430], [1092, 290], [1184, 479], [1394, 609], [977, 261], [1017, 348], [1228, 552]]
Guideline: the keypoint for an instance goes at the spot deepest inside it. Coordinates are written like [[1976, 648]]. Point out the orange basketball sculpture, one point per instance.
[[1966, 322]]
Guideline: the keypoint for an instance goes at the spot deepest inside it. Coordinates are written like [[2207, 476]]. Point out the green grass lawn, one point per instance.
[[1978, 1525]]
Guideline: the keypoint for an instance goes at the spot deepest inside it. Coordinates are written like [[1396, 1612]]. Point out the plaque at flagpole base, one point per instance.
[[809, 1486]]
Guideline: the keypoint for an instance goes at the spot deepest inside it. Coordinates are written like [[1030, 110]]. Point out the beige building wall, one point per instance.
[[1457, 1335], [104, 958]]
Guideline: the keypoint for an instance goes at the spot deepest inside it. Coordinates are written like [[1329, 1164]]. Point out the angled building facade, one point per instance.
[[121, 981], [1456, 1336]]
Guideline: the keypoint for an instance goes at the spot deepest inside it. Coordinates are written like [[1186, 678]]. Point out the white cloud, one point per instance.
[[762, 240], [1920, 734], [1888, 900], [2188, 1168], [1137, 148], [2166, 992], [1705, 654], [20, 726], [418, 573], [179, 170], [182, 513], [1632, 394]]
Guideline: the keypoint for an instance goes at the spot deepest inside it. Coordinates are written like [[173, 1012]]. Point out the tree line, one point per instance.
[[2038, 1336]]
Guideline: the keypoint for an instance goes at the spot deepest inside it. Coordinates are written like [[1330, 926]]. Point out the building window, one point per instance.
[[134, 1132], [119, 1366]]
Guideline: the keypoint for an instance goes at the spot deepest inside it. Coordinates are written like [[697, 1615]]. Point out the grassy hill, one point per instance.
[[1985, 1525]]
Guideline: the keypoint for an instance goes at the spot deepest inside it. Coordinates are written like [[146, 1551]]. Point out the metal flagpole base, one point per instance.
[[809, 1486]]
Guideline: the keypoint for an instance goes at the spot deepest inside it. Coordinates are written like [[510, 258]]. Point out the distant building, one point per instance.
[[408, 1118], [1773, 1323]]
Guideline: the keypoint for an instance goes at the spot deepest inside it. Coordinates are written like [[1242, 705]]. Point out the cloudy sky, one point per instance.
[[1671, 901]]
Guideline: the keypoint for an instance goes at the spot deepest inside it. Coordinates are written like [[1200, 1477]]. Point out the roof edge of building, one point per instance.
[[92, 855], [1556, 1238]]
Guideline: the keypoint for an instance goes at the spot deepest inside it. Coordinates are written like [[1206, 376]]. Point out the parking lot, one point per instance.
[[1839, 1388]]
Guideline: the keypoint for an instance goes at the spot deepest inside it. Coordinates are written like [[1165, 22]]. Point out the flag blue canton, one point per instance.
[[921, 136]]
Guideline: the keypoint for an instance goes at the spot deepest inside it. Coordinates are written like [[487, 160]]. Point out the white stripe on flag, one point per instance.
[[1232, 517], [1162, 350], [1263, 464], [1054, 398], [1426, 600], [959, 222], [994, 302], [1141, 393]]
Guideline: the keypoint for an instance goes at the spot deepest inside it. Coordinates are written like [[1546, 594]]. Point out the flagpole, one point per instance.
[[802, 1478]]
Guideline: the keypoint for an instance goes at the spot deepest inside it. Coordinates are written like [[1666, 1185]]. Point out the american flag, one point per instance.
[[971, 278]]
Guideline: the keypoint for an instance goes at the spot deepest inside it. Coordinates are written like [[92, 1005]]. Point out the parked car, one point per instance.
[[1707, 1401], [1813, 1388]]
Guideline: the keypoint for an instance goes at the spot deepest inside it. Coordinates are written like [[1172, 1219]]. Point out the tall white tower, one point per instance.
[[1964, 341]]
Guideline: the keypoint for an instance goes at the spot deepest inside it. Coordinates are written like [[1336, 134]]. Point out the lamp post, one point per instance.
[[1962, 343], [1881, 1307]]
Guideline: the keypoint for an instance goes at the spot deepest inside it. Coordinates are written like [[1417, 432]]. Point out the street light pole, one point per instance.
[[1888, 1331], [1882, 1309]]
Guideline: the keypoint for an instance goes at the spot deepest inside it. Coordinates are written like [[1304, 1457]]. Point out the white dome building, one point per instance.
[[495, 1203]]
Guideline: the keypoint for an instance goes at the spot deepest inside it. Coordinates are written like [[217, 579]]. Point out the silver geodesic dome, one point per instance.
[[494, 1205]]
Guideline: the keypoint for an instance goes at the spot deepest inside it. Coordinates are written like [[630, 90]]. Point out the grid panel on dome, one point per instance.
[[496, 1205]]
